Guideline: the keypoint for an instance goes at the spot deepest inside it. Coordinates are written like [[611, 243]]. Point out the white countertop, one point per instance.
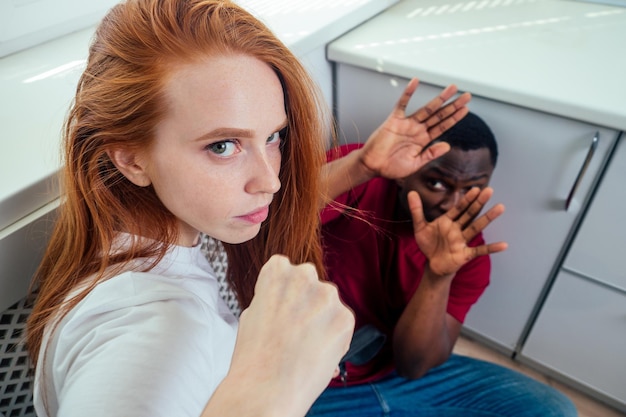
[[564, 57], [37, 85], [304, 25]]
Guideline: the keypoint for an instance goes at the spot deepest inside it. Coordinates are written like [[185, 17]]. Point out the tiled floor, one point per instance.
[[587, 407]]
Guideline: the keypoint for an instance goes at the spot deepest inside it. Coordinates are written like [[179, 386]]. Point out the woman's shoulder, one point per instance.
[[142, 309], [142, 325], [138, 293]]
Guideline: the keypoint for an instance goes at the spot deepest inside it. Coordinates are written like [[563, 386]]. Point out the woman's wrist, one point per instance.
[[242, 397]]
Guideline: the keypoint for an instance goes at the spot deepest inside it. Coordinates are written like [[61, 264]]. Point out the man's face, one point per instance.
[[444, 181]]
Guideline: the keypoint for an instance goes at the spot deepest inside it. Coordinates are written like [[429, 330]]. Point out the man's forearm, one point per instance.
[[343, 174], [425, 334]]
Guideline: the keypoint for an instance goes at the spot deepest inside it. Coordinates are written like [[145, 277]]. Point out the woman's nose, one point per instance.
[[264, 175]]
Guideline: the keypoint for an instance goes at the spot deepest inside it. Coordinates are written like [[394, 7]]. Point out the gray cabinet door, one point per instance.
[[600, 246], [540, 158], [581, 334]]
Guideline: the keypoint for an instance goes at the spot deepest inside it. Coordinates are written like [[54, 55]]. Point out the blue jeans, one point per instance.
[[461, 387]]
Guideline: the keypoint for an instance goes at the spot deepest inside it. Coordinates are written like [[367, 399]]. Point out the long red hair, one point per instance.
[[118, 102]]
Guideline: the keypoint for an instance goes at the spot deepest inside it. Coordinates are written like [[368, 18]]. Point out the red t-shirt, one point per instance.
[[372, 257]]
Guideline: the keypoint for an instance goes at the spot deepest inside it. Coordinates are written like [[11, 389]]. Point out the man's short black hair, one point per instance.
[[471, 133]]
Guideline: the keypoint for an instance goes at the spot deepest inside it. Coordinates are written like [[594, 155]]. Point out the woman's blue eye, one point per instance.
[[274, 137], [222, 148]]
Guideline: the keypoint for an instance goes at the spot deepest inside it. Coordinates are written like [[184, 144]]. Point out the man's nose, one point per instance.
[[451, 200], [263, 178]]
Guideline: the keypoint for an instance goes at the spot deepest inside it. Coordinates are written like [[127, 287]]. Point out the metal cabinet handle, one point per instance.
[[583, 169]]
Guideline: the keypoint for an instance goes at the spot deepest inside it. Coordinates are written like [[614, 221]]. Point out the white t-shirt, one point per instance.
[[140, 344]]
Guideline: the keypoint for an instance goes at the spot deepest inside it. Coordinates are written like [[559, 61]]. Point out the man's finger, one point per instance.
[[403, 102], [417, 212]]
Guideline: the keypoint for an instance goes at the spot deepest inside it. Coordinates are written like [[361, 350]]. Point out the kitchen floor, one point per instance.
[[587, 407]]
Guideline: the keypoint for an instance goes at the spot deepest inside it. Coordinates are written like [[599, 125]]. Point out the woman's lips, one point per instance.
[[256, 216]]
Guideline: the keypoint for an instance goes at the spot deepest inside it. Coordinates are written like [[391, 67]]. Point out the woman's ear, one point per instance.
[[130, 165]]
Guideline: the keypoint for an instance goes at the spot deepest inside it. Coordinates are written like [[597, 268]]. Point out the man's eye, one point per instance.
[[223, 148], [437, 185]]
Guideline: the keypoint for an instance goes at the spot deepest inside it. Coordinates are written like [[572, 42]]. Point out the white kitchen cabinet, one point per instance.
[[540, 158], [21, 246], [580, 331], [581, 334]]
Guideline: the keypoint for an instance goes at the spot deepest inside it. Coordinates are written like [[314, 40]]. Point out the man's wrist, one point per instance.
[[364, 171], [435, 276]]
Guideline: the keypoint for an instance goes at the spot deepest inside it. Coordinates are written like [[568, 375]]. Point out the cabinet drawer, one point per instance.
[[581, 333], [600, 244]]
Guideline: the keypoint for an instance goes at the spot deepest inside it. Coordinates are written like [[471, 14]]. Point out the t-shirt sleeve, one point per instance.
[[143, 360], [469, 284], [341, 151]]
